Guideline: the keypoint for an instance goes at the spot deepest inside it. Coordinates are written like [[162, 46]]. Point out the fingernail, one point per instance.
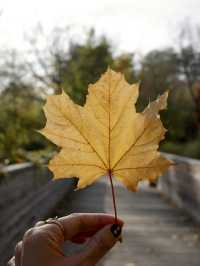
[[116, 230]]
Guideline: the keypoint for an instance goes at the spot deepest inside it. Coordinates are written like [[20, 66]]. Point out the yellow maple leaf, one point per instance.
[[106, 136]]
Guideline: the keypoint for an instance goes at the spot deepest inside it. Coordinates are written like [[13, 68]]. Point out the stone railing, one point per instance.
[[182, 184], [27, 194]]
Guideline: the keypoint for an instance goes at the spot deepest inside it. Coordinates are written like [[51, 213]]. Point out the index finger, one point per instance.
[[75, 224]]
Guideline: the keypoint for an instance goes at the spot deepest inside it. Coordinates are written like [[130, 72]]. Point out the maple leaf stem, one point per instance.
[[113, 195]]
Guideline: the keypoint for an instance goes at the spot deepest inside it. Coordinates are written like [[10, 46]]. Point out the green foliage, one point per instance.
[[20, 104], [158, 72], [161, 71], [124, 64], [180, 118], [188, 149], [20, 115], [83, 63]]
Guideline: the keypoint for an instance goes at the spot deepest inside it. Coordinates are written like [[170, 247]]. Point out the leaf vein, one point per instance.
[[78, 164], [67, 118]]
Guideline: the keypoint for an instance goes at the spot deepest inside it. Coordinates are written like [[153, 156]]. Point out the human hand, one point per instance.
[[42, 244]]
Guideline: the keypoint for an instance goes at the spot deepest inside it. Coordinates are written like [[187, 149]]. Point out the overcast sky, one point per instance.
[[131, 24]]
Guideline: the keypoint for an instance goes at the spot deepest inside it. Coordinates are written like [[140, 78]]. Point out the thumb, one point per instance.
[[101, 243]]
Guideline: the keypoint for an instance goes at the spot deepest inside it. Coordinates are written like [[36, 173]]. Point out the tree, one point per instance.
[[125, 64], [68, 65], [161, 71], [20, 116], [84, 64], [71, 65], [158, 72], [189, 64]]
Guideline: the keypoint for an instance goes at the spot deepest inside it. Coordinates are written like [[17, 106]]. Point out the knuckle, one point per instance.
[[29, 233], [74, 215], [34, 235], [79, 220], [39, 223], [41, 235], [18, 248]]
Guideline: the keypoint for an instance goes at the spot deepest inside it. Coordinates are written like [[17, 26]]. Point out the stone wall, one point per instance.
[[182, 184], [27, 194]]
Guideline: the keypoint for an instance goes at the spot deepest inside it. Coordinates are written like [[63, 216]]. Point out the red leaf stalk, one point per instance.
[[113, 195]]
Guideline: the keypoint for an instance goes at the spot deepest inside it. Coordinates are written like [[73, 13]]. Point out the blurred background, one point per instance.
[[46, 46], [49, 45]]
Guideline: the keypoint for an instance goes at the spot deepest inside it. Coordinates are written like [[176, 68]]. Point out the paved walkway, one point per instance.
[[155, 232]]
